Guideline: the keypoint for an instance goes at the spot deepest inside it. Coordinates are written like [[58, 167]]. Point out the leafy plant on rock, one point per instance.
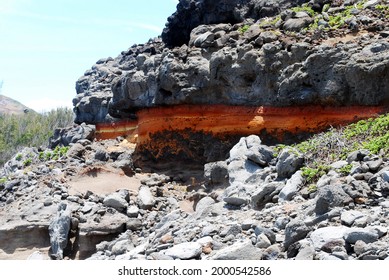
[[244, 29]]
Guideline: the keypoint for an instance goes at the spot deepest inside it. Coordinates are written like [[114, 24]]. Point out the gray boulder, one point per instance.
[[145, 198], [330, 196], [365, 235], [115, 200], [298, 23], [265, 193], [185, 251], [204, 203], [241, 250], [324, 235], [288, 162], [59, 229], [306, 251], [349, 217], [295, 230], [70, 135], [238, 195], [293, 185], [216, 172], [134, 224]]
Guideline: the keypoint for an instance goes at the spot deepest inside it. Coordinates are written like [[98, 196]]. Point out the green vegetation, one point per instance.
[[27, 162], [345, 170], [371, 134], [335, 144], [244, 28], [56, 154], [311, 175], [304, 8], [384, 9], [3, 180], [29, 130], [270, 21]]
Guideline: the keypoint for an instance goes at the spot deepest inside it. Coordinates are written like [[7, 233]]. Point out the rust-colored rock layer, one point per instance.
[[189, 131], [126, 128], [220, 120]]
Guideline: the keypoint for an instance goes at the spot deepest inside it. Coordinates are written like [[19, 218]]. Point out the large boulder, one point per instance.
[[330, 196], [59, 229], [289, 161], [71, 135]]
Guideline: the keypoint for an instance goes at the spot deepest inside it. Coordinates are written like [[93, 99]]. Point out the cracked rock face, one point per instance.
[[241, 53], [219, 63]]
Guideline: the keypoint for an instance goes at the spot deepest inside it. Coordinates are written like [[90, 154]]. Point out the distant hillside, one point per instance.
[[10, 106]]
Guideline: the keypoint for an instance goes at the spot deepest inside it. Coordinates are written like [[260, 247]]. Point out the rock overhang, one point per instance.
[[225, 82]]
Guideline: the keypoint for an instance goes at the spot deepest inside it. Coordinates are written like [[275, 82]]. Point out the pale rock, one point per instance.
[[145, 198], [185, 251]]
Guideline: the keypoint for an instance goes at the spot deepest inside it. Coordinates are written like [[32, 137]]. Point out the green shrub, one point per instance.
[[3, 180], [324, 148], [312, 175], [27, 162], [345, 170], [30, 130], [244, 28], [304, 8]]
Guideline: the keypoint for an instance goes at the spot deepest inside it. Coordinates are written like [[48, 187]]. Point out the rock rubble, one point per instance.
[[252, 207]]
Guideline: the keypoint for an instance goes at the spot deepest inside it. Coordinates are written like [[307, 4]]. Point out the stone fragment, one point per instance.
[[365, 235], [321, 236], [306, 252], [240, 250], [116, 201], [292, 187], [357, 155], [237, 195], [216, 172], [296, 24], [288, 162], [59, 229], [210, 230], [134, 224], [204, 40], [295, 230], [262, 241], [145, 198], [231, 230], [133, 211], [330, 196], [348, 217], [101, 155], [185, 251], [265, 193]]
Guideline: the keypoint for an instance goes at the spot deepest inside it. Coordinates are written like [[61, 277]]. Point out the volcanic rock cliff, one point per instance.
[[249, 58]]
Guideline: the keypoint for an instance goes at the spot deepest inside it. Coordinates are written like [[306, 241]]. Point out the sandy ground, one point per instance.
[[24, 254], [103, 183]]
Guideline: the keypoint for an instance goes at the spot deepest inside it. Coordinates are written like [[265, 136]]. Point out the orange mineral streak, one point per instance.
[[221, 120], [240, 120], [126, 128]]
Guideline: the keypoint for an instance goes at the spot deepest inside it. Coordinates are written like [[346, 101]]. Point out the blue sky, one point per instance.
[[46, 45]]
